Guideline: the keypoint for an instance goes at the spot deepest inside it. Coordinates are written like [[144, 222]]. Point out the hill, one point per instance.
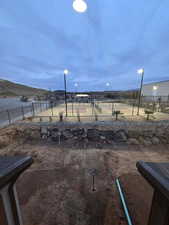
[[8, 88]]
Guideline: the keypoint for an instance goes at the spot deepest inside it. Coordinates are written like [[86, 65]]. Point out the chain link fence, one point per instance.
[[20, 113], [152, 103], [89, 110]]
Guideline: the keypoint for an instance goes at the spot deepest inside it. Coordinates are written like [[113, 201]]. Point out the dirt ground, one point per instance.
[[58, 189]]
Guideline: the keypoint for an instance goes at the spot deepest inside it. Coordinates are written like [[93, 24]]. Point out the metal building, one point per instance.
[[156, 90]]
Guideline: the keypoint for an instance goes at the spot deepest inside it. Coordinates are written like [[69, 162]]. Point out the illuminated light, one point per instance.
[[140, 71], [76, 84], [155, 88], [107, 84], [80, 6], [66, 72]]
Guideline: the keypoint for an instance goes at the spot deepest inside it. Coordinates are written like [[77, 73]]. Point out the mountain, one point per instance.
[[8, 88]]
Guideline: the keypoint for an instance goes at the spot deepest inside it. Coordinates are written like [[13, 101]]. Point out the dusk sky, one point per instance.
[[108, 43]]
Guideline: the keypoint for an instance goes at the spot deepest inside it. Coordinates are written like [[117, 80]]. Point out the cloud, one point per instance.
[[39, 39]]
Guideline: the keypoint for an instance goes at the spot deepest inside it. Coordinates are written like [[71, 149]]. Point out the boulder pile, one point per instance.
[[83, 135], [100, 137]]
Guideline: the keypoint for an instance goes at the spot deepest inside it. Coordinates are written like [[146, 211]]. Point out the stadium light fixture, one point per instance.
[[66, 72], [140, 71], [80, 6]]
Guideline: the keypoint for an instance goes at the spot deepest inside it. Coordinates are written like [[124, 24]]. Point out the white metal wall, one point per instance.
[[162, 89]]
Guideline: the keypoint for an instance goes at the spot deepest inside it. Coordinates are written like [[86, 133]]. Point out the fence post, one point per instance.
[[52, 108], [112, 107], [23, 114], [41, 107], [72, 107], [33, 109], [133, 109], [9, 116], [154, 105]]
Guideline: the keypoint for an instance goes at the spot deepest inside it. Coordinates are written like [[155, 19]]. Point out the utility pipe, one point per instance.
[[126, 211]]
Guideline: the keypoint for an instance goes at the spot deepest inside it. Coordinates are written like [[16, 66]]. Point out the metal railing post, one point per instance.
[[9, 116]]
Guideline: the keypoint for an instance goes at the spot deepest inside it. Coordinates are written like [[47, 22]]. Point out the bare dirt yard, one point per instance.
[[57, 189]]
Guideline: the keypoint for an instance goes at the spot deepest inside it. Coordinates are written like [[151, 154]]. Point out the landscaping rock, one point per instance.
[[35, 134], [148, 133], [67, 134], [102, 137], [164, 140], [155, 141], [4, 141], [147, 142], [78, 131], [55, 134], [133, 134], [108, 134], [93, 135], [120, 136], [141, 140], [133, 141]]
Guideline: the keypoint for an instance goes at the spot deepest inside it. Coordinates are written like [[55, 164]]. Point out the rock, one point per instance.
[[133, 141], [67, 134], [141, 140], [164, 140], [93, 135], [102, 137], [147, 142], [78, 131], [160, 132], [120, 136], [155, 141], [4, 141], [33, 134], [133, 134], [55, 134], [108, 134], [148, 133]]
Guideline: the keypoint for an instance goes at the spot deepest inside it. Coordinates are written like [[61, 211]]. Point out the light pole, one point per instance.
[[65, 73], [141, 72]]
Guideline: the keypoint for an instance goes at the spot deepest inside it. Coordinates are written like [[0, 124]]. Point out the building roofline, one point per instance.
[[155, 82]]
